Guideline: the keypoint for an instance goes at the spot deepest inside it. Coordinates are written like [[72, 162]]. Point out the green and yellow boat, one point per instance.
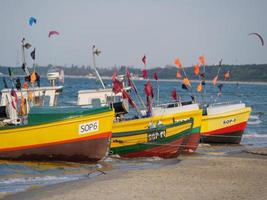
[[162, 136]]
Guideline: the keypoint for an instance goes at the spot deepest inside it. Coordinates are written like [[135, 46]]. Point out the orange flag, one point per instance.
[[202, 60], [196, 69], [178, 74], [178, 62], [214, 81], [199, 87], [33, 77], [186, 82]]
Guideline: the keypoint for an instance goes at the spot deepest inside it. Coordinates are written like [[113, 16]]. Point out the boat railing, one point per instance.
[[224, 103]]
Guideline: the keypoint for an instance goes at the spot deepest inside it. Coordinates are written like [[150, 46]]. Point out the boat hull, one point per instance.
[[60, 140], [132, 138], [191, 141], [227, 127]]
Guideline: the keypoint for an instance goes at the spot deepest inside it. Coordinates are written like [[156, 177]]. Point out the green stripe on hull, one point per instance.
[[145, 131], [149, 145], [196, 130]]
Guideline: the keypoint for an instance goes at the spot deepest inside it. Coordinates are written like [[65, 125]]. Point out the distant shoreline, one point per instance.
[[161, 80], [177, 80]]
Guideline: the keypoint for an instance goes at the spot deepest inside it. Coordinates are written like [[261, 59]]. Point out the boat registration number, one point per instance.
[[88, 127], [156, 135], [229, 121]]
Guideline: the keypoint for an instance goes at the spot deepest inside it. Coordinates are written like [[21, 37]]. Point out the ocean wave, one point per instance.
[[255, 135], [254, 120]]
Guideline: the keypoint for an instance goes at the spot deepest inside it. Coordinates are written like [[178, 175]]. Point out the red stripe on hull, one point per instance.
[[227, 130], [169, 150], [191, 143], [98, 136]]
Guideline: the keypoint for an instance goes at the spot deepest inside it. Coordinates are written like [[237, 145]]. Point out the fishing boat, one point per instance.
[[59, 133], [191, 141], [224, 123], [162, 136]]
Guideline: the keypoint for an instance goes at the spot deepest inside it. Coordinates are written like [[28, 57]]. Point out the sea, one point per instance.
[[21, 176]]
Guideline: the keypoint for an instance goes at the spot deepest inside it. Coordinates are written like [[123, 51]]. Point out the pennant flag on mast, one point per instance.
[[33, 54], [226, 75], [149, 89], [174, 94], [155, 76], [186, 82], [178, 62], [144, 73], [114, 75], [178, 74], [201, 60], [33, 77], [215, 79], [196, 69], [199, 87], [117, 86], [10, 73], [144, 60]]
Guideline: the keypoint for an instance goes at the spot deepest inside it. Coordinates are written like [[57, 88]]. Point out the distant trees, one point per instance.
[[251, 72]]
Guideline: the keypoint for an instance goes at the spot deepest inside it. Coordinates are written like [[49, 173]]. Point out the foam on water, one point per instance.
[[254, 120], [12, 185]]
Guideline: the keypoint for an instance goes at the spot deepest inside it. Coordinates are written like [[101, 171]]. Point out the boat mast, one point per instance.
[[97, 52]]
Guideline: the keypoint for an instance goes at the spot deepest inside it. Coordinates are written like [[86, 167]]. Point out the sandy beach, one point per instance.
[[210, 175]]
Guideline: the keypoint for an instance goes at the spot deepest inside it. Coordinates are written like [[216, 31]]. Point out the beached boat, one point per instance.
[[191, 141], [161, 136], [224, 123], [59, 133]]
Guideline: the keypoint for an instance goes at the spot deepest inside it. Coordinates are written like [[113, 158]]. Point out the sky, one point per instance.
[[125, 30]]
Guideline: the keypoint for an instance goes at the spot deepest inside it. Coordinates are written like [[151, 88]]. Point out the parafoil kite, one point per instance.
[[32, 21], [259, 36], [53, 33]]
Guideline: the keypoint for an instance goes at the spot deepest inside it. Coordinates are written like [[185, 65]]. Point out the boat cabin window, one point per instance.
[[96, 102]]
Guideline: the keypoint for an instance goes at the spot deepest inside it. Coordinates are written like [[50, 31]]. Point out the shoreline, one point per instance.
[[160, 80], [202, 175]]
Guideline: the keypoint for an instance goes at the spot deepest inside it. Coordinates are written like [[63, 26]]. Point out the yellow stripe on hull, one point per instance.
[[143, 123], [224, 120], [142, 138], [69, 129]]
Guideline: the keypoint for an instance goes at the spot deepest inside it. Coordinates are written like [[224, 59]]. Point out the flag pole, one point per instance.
[[158, 92], [97, 52]]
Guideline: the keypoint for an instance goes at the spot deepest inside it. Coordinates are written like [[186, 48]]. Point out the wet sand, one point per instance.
[[211, 174]]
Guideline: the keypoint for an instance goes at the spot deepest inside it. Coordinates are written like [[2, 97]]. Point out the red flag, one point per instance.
[[226, 75], [125, 95], [148, 89], [144, 73], [174, 94], [202, 60], [214, 81], [155, 76], [196, 69], [178, 62], [114, 75], [15, 100], [128, 73], [117, 86], [178, 74], [144, 60]]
